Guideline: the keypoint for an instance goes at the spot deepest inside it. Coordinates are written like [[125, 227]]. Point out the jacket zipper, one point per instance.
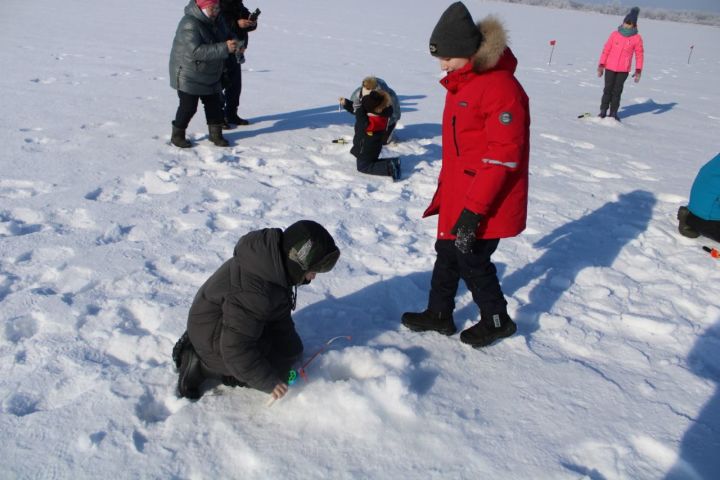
[[457, 148]]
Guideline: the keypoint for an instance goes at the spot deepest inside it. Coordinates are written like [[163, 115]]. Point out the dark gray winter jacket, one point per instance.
[[198, 53], [232, 309]]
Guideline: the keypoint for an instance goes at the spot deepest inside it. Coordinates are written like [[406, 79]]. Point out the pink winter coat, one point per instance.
[[618, 52]]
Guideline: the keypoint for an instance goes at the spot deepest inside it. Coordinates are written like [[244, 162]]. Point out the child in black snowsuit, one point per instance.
[[371, 121], [240, 328]]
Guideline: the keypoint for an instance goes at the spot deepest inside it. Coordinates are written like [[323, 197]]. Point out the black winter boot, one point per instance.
[[489, 329], [216, 136], [183, 341], [394, 168], [684, 229], [190, 375], [429, 321], [233, 119], [178, 137]]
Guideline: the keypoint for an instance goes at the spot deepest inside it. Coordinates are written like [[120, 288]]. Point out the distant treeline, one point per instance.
[[615, 9]]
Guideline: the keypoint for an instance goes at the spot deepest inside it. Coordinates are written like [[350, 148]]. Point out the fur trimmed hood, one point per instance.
[[495, 41], [386, 102]]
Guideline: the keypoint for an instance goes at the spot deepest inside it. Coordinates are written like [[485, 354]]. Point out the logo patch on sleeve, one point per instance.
[[505, 118]]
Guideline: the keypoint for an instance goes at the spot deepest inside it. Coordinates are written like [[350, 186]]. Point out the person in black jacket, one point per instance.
[[240, 329], [238, 22], [371, 122]]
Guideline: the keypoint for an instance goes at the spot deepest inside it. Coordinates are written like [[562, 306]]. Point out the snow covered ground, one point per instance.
[[106, 232]]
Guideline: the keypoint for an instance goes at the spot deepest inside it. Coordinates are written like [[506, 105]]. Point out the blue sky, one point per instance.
[[698, 5]]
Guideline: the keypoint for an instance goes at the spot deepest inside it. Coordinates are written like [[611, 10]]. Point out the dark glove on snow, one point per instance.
[[464, 230]]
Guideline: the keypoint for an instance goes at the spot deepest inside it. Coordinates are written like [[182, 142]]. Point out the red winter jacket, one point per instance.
[[486, 146]]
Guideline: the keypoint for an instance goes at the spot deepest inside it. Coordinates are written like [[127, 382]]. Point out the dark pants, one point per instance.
[[232, 86], [614, 82], [372, 166], [706, 228], [476, 270], [188, 107], [366, 149]]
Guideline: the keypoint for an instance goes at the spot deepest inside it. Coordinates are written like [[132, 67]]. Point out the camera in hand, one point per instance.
[[254, 15]]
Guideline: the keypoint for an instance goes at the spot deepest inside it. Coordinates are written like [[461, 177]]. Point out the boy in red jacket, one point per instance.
[[483, 184]]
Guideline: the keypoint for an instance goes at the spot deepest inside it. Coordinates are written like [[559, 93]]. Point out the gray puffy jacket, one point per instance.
[[247, 295], [198, 53]]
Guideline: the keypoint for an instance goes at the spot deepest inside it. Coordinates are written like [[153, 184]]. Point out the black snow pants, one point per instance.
[[476, 270], [614, 83]]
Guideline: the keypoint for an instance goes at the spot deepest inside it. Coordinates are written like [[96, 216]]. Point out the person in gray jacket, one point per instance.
[[197, 59], [240, 329], [374, 83]]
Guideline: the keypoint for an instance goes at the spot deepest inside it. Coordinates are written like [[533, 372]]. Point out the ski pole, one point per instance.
[[714, 252]]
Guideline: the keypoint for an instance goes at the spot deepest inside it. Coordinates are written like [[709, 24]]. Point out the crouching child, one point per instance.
[[371, 122], [240, 328]]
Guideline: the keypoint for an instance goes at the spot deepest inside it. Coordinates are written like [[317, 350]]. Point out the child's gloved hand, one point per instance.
[[464, 230], [600, 70], [636, 75]]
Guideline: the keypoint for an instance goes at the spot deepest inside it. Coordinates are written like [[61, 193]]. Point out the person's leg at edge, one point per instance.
[[232, 94], [707, 228]]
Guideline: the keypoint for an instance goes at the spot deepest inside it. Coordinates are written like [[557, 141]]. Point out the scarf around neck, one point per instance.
[[627, 32]]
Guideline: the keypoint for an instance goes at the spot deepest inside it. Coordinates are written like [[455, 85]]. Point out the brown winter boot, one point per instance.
[[178, 137], [216, 136]]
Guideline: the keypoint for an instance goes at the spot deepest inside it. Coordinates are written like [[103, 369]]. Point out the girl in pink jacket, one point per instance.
[[615, 61]]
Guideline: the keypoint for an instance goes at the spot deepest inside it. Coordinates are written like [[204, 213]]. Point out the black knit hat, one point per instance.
[[632, 16], [455, 35], [371, 101], [308, 247]]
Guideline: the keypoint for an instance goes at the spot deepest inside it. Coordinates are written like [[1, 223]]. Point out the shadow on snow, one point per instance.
[[699, 455], [646, 107], [594, 240]]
